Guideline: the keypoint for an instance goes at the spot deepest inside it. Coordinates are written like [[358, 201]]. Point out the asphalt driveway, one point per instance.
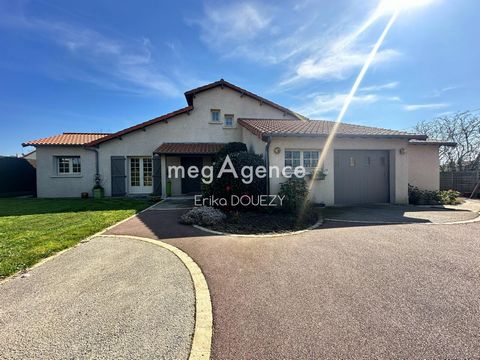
[[342, 291], [104, 299]]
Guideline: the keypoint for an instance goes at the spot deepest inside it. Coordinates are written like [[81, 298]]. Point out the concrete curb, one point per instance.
[[202, 337], [313, 227], [474, 220]]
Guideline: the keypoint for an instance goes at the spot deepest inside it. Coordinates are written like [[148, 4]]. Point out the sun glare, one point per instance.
[[390, 6]]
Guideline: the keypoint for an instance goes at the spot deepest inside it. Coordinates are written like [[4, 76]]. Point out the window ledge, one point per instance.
[[229, 127], [66, 176], [215, 122]]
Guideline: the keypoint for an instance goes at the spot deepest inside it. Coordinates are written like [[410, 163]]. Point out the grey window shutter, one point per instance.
[[157, 175], [118, 176]]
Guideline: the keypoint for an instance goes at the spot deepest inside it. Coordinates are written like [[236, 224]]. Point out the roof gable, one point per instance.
[[190, 95]]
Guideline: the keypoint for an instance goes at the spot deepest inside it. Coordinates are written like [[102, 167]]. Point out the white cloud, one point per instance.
[[338, 65], [433, 106], [234, 23], [380, 87], [439, 92], [320, 104], [113, 63]]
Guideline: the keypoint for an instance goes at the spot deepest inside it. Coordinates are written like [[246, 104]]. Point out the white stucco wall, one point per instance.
[[195, 127], [323, 190], [424, 166], [253, 142], [50, 184]]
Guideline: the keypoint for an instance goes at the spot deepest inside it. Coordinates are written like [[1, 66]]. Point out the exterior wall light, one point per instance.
[[277, 150]]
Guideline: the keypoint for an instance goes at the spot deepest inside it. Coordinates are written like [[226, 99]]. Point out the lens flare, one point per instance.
[[390, 6], [348, 100]]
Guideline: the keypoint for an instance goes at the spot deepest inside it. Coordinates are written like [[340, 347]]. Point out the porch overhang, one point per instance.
[[189, 148]]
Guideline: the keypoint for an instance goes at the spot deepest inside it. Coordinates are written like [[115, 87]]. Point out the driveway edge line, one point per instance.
[[474, 220], [202, 336], [101, 232]]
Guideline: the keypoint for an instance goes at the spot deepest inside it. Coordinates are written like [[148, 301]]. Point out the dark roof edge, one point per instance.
[[49, 145], [434, 142]]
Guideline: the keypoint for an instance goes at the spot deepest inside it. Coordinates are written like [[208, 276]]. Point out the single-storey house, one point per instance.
[[363, 165]]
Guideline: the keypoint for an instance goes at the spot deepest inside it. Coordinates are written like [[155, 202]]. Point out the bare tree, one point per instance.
[[462, 128]]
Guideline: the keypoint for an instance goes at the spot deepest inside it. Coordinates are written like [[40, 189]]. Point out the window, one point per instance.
[[310, 159], [228, 120], [135, 172], [306, 158], [68, 165], [215, 115], [292, 158], [147, 172]]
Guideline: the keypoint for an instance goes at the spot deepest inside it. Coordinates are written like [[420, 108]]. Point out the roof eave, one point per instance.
[[371, 136]]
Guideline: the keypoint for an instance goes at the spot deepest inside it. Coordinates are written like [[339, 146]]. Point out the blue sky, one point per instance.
[[106, 65]]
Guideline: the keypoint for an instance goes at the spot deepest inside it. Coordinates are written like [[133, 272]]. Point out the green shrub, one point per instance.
[[230, 148], [227, 185], [449, 197], [417, 196], [295, 192]]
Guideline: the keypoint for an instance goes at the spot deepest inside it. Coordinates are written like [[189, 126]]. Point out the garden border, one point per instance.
[[312, 227]]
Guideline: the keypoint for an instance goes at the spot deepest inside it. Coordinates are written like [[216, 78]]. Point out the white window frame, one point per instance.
[[216, 111], [301, 158], [225, 120], [69, 160]]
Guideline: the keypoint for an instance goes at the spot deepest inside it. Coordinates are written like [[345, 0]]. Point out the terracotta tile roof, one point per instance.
[[189, 148], [67, 138], [283, 127], [189, 95], [142, 125], [433, 142]]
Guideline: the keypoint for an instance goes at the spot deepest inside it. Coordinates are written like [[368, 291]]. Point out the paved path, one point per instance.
[[391, 291], [105, 299]]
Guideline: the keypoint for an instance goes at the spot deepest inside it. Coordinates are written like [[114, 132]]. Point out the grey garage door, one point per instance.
[[361, 176]]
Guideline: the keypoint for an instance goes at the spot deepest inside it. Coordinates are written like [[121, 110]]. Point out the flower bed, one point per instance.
[[262, 222]]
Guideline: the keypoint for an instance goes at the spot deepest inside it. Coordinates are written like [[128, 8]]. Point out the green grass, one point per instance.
[[32, 229]]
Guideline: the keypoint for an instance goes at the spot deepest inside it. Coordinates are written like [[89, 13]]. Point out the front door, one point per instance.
[[191, 185], [140, 175]]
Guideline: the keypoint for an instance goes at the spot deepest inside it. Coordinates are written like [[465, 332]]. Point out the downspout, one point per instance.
[[267, 162], [97, 168]]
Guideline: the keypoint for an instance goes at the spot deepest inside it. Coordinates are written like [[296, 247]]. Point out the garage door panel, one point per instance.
[[361, 176]]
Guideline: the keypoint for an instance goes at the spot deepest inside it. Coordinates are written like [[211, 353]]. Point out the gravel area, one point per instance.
[[104, 299]]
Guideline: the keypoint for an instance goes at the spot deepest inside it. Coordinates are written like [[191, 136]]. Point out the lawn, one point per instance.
[[32, 229]]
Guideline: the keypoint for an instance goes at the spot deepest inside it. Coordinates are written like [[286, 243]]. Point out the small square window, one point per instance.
[[228, 120], [215, 115]]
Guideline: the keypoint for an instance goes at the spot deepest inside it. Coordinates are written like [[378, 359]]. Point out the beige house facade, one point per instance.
[[363, 165]]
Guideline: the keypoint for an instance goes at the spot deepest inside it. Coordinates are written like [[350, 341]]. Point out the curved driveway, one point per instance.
[[109, 298], [392, 291]]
